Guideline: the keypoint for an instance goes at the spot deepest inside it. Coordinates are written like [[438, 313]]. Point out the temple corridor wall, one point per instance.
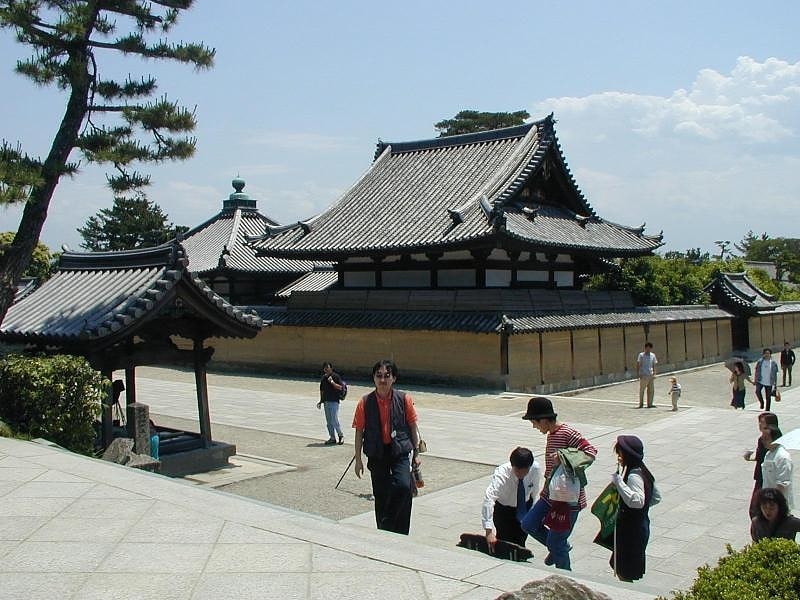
[[544, 362]]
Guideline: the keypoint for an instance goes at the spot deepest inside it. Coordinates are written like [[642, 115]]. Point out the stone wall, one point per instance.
[[771, 330], [543, 362], [588, 357], [439, 356]]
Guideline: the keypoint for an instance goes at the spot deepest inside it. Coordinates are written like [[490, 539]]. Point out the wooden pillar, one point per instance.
[[202, 392], [106, 417], [130, 385]]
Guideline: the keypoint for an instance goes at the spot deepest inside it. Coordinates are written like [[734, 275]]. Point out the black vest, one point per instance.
[[373, 439]]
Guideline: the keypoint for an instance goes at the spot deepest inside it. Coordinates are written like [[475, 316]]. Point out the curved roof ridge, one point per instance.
[[464, 139], [121, 259], [237, 222], [497, 186]]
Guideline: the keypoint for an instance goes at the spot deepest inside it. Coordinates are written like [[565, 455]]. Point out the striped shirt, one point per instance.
[[564, 437]]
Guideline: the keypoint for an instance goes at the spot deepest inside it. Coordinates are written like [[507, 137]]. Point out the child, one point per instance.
[[674, 392]]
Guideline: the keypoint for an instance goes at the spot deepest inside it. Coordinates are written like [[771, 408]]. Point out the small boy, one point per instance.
[[674, 392]]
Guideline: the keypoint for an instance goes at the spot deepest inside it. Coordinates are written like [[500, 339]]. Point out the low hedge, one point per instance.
[[54, 397], [768, 569]]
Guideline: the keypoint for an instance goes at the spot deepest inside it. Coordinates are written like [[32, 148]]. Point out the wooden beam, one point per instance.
[[106, 416], [130, 384], [202, 392]]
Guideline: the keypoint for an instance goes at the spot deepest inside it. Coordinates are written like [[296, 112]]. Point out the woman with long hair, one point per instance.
[[773, 519], [737, 379], [637, 492]]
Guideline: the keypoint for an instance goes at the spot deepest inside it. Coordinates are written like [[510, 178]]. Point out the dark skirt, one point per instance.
[[630, 542], [738, 399]]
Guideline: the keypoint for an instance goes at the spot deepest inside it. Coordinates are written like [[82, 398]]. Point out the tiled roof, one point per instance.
[[103, 296], [494, 300], [315, 281], [786, 307], [455, 191], [647, 314], [24, 287], [485, 321], [219, 243], [737, 291]]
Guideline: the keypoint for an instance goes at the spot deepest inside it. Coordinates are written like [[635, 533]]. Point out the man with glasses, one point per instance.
[[386, 429]]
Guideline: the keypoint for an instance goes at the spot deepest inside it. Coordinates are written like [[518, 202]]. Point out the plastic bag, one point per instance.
[[563, 487]]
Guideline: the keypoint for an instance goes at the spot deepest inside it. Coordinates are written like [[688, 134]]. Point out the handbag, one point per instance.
[[777, 395], [606, 508], [563, 487]]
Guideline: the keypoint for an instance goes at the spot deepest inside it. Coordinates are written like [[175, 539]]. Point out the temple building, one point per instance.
[[497, 209], [463, 258], [218, 254]]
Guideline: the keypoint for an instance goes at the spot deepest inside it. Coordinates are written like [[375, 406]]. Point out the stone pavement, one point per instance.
[[161, 538], [695, 455], [78, 528]]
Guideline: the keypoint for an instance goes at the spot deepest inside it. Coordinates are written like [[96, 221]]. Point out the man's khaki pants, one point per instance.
[[646, 383]]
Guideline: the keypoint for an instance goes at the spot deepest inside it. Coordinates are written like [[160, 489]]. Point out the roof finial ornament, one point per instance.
[[238, 184]]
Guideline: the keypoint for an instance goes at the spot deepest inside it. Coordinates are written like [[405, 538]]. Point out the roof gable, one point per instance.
[[101, 298], [739, 293]]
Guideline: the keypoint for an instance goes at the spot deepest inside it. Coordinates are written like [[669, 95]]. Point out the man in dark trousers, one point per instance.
[[509, 497], [787, 361], [386, 428]]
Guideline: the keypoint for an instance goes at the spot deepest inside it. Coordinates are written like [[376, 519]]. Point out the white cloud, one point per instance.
[[754, 103], [715, 159]]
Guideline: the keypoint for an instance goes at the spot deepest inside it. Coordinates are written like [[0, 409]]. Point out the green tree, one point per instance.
[[42, 260], [470, 121], [130, 223], [784, 252], [55, 397], [675, 279], [69, 41]]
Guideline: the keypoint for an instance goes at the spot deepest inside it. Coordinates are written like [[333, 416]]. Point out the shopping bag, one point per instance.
[[563, 487], [605, 508]]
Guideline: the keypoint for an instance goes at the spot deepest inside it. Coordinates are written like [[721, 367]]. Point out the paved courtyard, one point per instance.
[[694, 453], [77, 528]]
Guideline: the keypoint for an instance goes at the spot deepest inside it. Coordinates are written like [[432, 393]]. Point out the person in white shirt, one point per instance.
[[509, 496], [646, 365], [777, 467]]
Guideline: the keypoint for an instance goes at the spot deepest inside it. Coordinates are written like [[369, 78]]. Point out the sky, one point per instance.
[[684, 116]]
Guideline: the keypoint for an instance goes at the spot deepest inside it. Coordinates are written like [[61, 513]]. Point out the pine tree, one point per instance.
[[130, 223], [106, 120], [471, 121]]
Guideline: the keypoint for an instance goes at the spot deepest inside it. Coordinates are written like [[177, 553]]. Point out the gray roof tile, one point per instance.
[[485, 321], [738, 292], [94, 296], [453, 192]]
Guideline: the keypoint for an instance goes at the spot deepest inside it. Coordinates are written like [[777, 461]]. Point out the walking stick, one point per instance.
[[350, 464]]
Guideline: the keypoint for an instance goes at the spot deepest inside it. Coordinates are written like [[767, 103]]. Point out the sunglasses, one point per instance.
[[382, 375]]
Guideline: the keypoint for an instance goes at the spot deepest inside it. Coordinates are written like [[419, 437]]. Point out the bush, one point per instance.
[[53, 397], [769, 568]]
